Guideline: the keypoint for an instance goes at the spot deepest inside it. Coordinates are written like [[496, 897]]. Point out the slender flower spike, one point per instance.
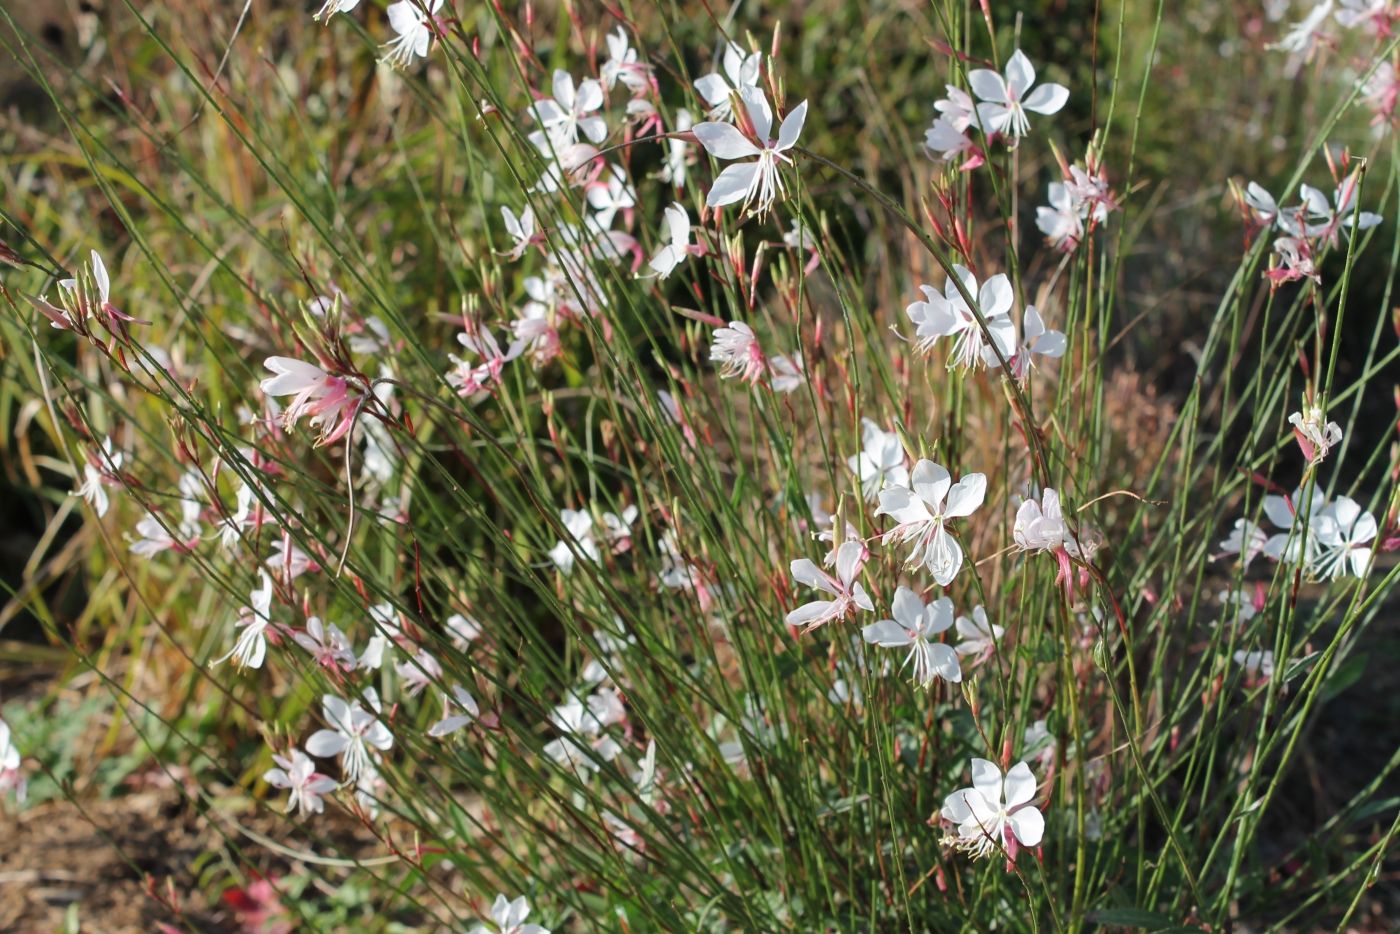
[[995, 812], [508, 917], [948, 315], [914, 627], [297, 773], [414, 27], [1315, 436], [847, 593], [90, 294], [352, 731], [922, 511], [757, 184], [1005, 99]]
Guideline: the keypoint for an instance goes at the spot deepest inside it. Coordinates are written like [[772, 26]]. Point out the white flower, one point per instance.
[[450, 722], [736, 350], [1246, 539], [786, 372], [978, 635], [352, 730], [740, 71], [1060, 222], [1040, 526], [332, 7], [847, 593], [995, 810], [676, 167], [418, 672], [1314, 436], [622, 64], [922, 510], [1257, 664], [1345, 539], [99, 471], [463, 629], [154, 537], [945, 142], [1328, 218], [9, 752], [1035, 339], [250, 648], [1005, 100], [522, 229], [948, 315], [1261, 204], [915, 626], [509, 918], [414, 28], [1299, 539], [757, 184], [572, 111], [326, 644], [677, 243], [579, 524], [880, 462], [1305, 35], [326, 399], [608, 197], [297, 774]]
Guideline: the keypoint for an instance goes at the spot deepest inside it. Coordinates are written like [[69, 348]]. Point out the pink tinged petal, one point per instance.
[[724, 141], [792, 126], [944, 662], [327, 743], [760, 113], [806, 572], [966, 496], [1020, 74], [99, 276], [1028, 824], [1047, 99], [1019, 786], [987, 85], [886, 633], [811, 614], [732, 185], [849, 558], [986, 778]]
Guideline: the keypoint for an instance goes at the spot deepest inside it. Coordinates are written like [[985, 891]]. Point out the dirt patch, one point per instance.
[[95, 861]]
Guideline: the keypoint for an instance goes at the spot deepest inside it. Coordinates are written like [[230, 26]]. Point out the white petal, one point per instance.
[[1020, 785], [1047, 99], [987, 85], [996, 296], [792, 126], [966, 496], [732, 185], [1020, 73], [886, 633], [986, 778], [1028, 824], [724, 141]]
